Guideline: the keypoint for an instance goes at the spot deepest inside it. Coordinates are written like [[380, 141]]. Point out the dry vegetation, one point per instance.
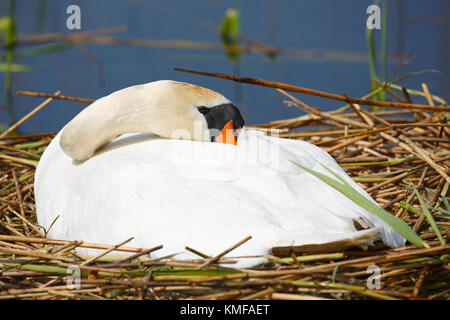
[[384, 151]]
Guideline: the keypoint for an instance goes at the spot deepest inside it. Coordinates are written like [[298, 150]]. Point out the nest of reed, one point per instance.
[[385, 151]]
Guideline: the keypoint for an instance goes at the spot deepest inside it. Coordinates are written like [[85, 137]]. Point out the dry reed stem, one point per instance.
[[28, 116], [422, 154], [54, 96], [288, 87], [112, 248], [63, 242], [220, 255]]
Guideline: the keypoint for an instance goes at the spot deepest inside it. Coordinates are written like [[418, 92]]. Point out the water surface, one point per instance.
[[328, 35]]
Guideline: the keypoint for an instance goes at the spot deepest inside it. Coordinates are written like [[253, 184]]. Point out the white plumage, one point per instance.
[[200, 194]]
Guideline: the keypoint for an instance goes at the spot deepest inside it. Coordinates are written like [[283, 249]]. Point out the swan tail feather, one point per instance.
[[362, 239]]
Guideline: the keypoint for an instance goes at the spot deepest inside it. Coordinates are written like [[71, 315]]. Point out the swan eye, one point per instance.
[[203, 110]]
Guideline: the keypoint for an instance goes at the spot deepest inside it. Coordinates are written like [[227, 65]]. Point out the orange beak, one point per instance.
[[226, 134]]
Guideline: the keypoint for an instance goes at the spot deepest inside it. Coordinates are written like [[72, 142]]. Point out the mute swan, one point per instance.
[[140, 163]]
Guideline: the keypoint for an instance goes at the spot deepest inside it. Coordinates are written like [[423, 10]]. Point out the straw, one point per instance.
[[384, 154]]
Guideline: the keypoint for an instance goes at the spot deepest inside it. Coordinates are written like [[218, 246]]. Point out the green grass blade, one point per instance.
[[392, 161], [405, 76], [399, 67], [21, 179], [230, 33], [372, 66], [8, 25], [428, 215], [410, 208], [32, 145], [447, 205], [40, 50], [14, 67], [383, 71], [417, 93], [371, 52], [447, 212], [397, 224]]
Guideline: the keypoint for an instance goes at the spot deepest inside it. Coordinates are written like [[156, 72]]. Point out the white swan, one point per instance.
[[179, 189]]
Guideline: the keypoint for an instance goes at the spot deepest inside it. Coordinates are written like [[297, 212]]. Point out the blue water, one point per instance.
[[322, 26]]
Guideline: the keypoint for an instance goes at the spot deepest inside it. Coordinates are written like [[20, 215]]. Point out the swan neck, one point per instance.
[[100, 123]]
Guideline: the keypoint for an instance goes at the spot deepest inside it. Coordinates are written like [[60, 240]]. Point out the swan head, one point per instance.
[[197, 113], [170, 109]]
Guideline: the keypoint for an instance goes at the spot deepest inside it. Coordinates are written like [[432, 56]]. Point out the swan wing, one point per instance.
[[204, 195]]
